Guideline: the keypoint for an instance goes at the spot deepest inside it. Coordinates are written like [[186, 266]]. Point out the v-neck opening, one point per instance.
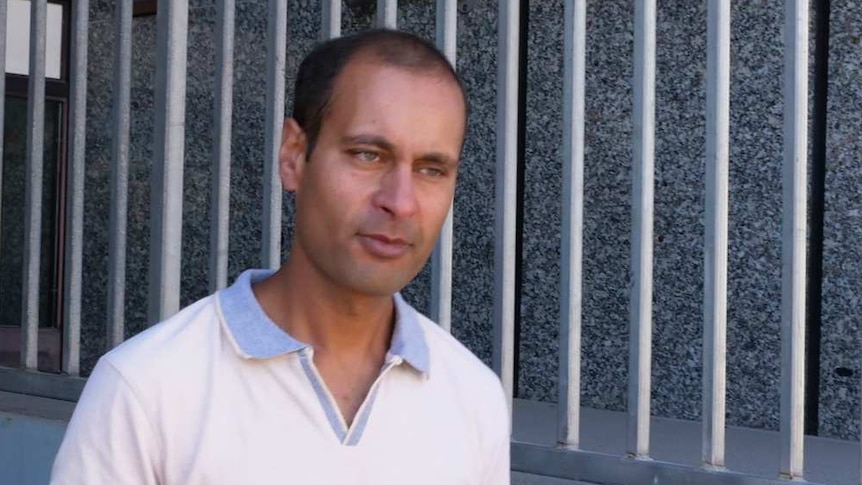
[[346, 435]]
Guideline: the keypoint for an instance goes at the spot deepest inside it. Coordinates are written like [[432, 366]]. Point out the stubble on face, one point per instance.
[[381, 179]]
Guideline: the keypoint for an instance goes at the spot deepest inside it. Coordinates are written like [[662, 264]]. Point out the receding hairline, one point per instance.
[[372, 55]]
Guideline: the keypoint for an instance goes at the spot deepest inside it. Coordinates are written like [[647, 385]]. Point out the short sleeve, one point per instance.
[[110, 439]]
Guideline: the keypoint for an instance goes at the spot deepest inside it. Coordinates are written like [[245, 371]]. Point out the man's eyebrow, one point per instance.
[[384, 144], [373, 140], [439, 158]]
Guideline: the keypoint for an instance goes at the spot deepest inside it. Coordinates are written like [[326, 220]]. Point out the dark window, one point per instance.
[[12, 194], [144, 7]]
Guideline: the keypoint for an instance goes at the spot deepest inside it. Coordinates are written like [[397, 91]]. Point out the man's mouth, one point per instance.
[[384, 246]]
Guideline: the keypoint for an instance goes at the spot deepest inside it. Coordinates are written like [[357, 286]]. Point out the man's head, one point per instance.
[[372, 153], [318, 72]]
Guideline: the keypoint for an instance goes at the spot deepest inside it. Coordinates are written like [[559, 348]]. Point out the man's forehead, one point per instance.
[[363, 73]]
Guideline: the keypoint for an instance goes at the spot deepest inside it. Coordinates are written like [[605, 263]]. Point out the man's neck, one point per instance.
[[330, 318]]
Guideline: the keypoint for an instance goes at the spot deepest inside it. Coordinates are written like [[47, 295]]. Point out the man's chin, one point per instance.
[[373, 283]]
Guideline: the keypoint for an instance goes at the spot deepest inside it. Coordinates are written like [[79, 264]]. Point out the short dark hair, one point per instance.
[[319, 70]]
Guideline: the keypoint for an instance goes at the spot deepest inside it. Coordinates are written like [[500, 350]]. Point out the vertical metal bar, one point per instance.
[[330, 13], [75, 191], [715, 249], [3, 16], [574, 94], [275, 61], [222, 114], [505, 199], [33, 191], [167, 186], [794, 237], [387, 14], [441, 259], [119, 174], [640, 339]]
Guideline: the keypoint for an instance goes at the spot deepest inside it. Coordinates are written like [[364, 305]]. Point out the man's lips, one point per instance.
[[384, 246]]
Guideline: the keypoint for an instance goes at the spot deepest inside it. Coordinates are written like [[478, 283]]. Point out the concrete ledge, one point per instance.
[[35, 406], [54, 386], [752, 455]]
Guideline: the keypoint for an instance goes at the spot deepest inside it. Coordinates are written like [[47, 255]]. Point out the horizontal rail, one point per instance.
[[606, 468], [54, 386]]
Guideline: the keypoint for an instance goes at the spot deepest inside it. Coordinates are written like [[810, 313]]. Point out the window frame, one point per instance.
[[56, 90]]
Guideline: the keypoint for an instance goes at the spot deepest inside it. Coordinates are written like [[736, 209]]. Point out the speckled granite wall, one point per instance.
[[754, 279], [755, 205], [842, 245]]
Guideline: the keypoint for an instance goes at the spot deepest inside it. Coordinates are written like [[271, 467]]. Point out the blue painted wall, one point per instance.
[[27, 448]]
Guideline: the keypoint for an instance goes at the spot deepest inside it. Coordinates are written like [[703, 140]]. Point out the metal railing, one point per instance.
[[565, 460]]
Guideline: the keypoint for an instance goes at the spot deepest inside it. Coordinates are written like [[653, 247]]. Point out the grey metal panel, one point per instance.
[[222, 116], [168, 150], [3, 14], [441, 259], [119, 173], [33, 191], [604, 468], [505, 198], [640, 339], [75, 187], [330, 17], [715, 248], [574, 94], [387, 14], [275, 62], [794, 237], [65, 388]]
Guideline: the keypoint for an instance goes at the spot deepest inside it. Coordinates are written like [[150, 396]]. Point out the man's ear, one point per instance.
[[291, 155]]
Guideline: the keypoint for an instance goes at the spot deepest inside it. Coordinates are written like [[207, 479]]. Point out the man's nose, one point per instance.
[[397, 193]]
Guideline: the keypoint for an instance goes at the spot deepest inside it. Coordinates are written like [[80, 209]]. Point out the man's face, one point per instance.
[[372, 199]]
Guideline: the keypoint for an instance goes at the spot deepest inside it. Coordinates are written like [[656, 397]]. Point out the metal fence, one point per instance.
[[567, 459]]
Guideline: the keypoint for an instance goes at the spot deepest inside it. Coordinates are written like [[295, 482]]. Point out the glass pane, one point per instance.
[[12, 213], [18, 38]]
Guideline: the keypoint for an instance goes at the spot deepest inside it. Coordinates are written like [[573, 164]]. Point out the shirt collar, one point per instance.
[[258, 337], [408, 338]]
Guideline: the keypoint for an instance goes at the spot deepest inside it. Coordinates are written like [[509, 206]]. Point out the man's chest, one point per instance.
[[287, 435]]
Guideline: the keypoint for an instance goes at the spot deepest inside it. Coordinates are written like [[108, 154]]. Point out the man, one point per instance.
[[319, 373]]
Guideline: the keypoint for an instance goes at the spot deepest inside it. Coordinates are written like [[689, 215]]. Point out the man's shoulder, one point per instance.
[[460, 365], [478, 389], [170, 345]]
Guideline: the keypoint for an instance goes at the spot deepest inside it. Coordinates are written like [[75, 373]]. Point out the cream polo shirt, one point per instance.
[[218, 394]]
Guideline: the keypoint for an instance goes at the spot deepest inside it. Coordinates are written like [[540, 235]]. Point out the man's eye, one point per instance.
[[432, 172], [367, 156]]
